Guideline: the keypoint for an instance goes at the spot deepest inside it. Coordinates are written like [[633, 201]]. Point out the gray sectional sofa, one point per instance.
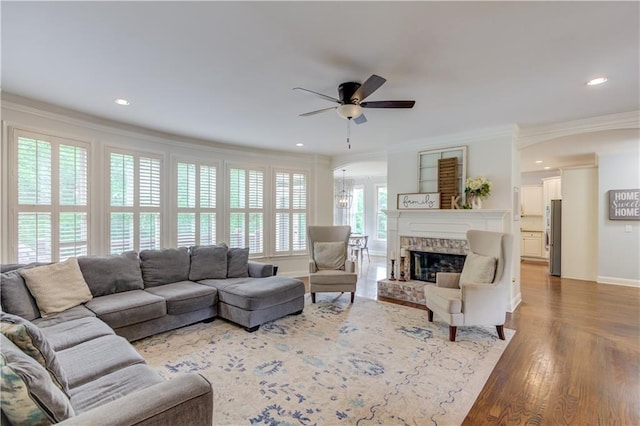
[[131, 296]]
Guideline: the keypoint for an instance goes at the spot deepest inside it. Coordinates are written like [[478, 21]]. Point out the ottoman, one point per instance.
[[251, 302]]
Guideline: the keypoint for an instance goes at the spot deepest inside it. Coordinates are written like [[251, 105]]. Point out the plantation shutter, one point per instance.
[[135, 202], [246, 209], [196, 202], [290, 212], [52, 198]]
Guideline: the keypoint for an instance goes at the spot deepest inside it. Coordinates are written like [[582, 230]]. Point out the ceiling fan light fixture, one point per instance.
[[349, 111]]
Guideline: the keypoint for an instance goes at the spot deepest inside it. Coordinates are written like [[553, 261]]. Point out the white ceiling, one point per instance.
[[224, 71]]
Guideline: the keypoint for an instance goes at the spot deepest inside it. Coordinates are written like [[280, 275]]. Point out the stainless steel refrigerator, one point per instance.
[[555, 237]]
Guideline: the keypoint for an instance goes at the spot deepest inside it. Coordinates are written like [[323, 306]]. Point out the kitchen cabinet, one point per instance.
[[531, 198], [551, 190], [531, 244]]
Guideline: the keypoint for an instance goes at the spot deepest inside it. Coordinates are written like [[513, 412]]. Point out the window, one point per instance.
[[381, 217], [356, 214], [134, 206], [290, 212], [246, 209], [196, 203], [52, 217]]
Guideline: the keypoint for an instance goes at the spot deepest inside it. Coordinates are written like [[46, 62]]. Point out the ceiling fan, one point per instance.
[[351, 96]]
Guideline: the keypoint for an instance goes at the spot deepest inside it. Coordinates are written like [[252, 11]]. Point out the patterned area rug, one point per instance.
[[335, 364]]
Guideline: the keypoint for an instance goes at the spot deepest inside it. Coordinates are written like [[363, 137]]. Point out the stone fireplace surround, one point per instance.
[[441, 231]]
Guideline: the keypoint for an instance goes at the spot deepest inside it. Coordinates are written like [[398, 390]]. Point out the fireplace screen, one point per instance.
[[424, 265]]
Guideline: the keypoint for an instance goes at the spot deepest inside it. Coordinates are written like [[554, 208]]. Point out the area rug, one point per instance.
[[337, 363]]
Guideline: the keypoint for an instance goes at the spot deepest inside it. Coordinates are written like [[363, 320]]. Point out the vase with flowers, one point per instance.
[[475, 190]]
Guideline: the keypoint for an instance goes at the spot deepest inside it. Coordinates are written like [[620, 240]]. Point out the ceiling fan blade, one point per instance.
[[388, 104], [306, 114], [360, 119], [372, 84], [328, 98]]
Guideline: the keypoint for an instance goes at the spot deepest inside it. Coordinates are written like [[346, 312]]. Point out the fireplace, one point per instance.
[[425, 265], [438, 231]]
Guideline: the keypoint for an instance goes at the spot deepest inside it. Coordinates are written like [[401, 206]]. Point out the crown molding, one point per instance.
[[76, 118], [455, 139], [537, 134]]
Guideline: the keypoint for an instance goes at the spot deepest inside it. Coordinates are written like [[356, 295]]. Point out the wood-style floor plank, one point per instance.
[[575, 357]]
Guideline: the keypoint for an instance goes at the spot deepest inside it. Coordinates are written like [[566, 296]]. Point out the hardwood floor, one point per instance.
[[575, 358]]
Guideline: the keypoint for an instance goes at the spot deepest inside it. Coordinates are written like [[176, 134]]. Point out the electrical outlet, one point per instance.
[[627, 228]]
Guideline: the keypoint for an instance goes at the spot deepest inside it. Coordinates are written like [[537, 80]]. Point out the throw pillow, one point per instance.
[[478, 269], [28, 394], [57, 287], [164, 266], [29, 338], [237, 262], [330, 255], [208, 262], [15, 296], [111, 274]]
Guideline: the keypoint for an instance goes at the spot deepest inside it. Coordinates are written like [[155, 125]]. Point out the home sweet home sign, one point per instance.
[[624, 204]]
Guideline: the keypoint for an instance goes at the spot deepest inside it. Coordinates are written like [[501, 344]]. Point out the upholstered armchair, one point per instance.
[[479, 294], [330, 269]]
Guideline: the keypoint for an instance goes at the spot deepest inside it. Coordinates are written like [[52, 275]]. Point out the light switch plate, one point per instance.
[[627, 228]]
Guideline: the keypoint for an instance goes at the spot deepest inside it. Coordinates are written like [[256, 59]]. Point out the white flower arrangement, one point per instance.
[[477, 187]]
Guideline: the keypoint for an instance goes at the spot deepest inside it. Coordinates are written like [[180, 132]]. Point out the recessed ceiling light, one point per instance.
[[596, 81], [547, 167], [299, 144], [538, 161], [123, 102]]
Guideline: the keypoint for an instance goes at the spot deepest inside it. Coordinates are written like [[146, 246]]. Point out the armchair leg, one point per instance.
[[430, 315], [313, 298], [353, 296], [452, 333], [500, 329]]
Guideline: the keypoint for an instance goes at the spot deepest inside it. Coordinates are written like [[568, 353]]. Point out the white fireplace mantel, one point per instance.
[[452, 224]]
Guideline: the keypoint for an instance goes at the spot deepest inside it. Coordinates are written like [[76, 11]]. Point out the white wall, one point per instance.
[[580, 223], [101, 133], [619, 240]]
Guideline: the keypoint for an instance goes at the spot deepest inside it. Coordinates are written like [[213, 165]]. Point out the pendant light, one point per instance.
[[343, 197]]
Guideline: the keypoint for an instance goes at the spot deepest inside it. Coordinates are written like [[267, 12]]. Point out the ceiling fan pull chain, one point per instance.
[[349, 132]]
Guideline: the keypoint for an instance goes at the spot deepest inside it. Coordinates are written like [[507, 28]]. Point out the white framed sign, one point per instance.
[[419, 201]]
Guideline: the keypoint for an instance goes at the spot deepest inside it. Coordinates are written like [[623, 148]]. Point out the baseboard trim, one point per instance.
[[515, 302], [618, 281]]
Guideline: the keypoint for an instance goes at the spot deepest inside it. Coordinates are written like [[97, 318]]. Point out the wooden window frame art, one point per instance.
[[463, 150]]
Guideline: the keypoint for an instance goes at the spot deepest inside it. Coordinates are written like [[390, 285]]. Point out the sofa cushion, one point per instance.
[[70, 333], [15, 296], [329, 255], [111, 274], [478, 269], [70, 314], [57, 287], [28, 394], [262, 293], [95, 358], [113, 386], [32, 341], [129, 307], [208, 262], [185, 296], [164, 266], [237, 262]]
